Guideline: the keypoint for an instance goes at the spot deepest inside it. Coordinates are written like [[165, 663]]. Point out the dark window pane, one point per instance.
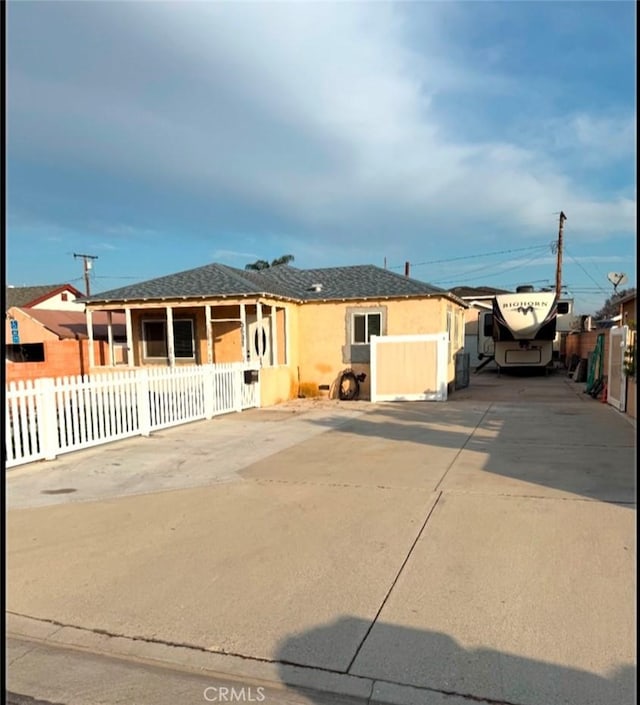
[[359, 329], [27, 352], [488, 325], [374, 325], [183, 338], [155, 339], [260, 342]]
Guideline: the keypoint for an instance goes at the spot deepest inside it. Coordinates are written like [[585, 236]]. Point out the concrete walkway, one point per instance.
[[480, 549]]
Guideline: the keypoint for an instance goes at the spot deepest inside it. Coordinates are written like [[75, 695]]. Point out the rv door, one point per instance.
[[485, 334]]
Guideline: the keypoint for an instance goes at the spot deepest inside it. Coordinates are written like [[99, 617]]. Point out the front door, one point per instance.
[[258, 340]]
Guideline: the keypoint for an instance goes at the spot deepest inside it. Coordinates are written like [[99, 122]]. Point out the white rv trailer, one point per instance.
[[521, 329]]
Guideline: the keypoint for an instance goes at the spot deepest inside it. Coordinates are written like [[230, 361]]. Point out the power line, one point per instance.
[[489, 276], [483, 254], [587, 273]]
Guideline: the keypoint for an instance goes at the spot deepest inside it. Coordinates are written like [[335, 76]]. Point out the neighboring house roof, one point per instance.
[[282, 281], [475, 292], [73, 324], [607, 322], [627, 298], [27, 296], [479, 303]]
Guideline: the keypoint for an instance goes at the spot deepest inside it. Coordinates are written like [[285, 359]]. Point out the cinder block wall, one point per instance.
[[62, 358], [583, 343]]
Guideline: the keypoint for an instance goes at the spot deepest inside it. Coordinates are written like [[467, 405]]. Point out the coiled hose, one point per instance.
[[349, 385]]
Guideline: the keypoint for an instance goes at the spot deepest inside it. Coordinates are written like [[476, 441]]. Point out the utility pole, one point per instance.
[[562, 218], [407, 266], [87, 266]]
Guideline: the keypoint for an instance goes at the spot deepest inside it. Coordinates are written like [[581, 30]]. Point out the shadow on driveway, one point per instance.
[[411, 665], [510, 445]]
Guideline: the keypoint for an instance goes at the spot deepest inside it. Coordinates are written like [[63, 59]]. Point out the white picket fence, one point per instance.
[[46, 417]]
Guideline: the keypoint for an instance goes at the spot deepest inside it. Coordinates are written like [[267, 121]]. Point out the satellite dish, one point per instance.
[[617, 278]]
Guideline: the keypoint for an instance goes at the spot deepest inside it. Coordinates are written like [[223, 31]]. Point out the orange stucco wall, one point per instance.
[[29, 331], [279, 383], [62, 358]]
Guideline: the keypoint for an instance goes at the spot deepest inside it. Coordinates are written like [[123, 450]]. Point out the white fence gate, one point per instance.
[[409, 367], [46, 417], [616, 379]]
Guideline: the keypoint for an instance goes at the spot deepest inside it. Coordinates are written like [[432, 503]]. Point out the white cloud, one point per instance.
[[319, 113], [612, 138], [233, 254]]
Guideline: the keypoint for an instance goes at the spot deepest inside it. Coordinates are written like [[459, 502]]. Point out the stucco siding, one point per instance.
[[59, 303], [324, 328], [29, 331]]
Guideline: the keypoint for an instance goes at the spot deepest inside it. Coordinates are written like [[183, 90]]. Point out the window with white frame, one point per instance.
[[154, 339], [364, 325]]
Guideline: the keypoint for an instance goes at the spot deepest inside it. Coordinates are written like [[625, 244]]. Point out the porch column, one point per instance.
[[274, 336], [259, 333], [207, 318], [92, 355], [171, 349], [130, 356], [243, 331], [112, 352], [287, 336]]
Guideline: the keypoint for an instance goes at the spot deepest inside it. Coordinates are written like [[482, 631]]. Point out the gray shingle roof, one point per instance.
[[283, 281], [356, 282], [470, 291]]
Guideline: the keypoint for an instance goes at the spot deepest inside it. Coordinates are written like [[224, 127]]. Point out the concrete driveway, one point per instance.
[[479, 549]]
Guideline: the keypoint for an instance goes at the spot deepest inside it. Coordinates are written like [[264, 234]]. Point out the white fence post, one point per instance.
[[373, 363], [208, 382], [142, 394], [441, 365], [238, 391], [47, 416], [55, 416], [257, 396]]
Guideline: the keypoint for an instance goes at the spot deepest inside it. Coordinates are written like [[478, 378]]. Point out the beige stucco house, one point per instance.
[[57, 297], [299, 328]]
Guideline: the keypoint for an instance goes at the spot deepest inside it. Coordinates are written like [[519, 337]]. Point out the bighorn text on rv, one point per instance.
[[522, 329]]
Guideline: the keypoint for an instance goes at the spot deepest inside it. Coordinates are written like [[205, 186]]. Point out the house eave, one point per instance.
[[196, 299]]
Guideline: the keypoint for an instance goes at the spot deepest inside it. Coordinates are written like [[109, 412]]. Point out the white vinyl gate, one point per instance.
[[409, 367], [616, 380]]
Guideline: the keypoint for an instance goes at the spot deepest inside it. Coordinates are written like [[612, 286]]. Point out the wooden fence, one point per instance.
[[46, 417]]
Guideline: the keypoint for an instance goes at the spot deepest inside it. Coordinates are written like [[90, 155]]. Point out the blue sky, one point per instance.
[[165, 136]]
